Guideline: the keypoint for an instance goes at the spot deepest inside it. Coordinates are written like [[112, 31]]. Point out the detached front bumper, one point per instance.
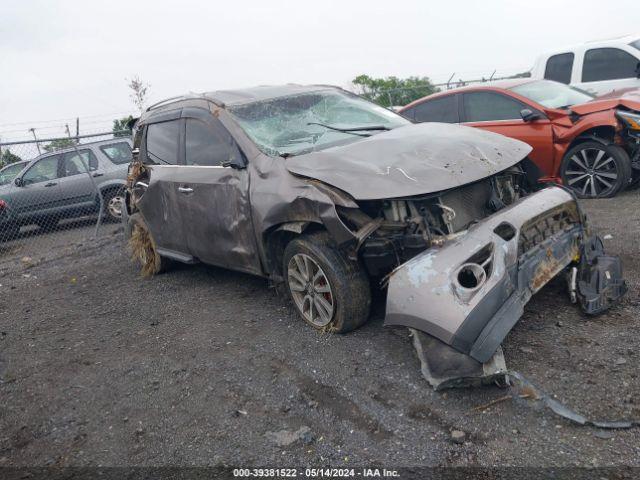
[[471, 292]]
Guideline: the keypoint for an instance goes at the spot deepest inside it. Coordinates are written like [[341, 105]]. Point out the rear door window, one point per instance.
[[490, 106], [559, 68], [163, 141], [442, 109], [608, 64], [74, 164], [119, 153]]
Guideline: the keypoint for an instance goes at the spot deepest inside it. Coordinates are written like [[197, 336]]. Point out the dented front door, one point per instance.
[[215, 193]]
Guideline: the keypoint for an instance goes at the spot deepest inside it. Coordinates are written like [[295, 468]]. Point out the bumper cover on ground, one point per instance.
[[522, 247]]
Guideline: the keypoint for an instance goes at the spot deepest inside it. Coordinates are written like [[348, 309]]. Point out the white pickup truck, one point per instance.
[[597, 67]]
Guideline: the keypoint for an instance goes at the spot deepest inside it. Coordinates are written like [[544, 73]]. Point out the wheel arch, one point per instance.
[[278, 237], [604, 134]]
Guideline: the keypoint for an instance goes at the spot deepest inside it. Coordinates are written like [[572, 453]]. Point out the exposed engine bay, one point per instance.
[[406, 227]]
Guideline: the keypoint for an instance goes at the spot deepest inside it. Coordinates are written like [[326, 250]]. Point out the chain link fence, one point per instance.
[[57, 193]]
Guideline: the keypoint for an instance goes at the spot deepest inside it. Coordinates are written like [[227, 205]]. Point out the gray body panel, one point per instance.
[[423, 292], [411, 160]]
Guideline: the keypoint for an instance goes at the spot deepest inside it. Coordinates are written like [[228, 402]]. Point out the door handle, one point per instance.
[[98, 174], [50, 184], [185, 189]]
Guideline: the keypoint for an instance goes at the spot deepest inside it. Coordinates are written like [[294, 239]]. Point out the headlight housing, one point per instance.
[[630, 120]]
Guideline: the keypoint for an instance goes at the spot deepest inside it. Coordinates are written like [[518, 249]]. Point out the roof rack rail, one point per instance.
[[167, 101]]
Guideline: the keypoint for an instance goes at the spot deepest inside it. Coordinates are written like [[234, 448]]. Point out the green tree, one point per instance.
[[390, 91], [120, 128], [59, 144], [7, 157]]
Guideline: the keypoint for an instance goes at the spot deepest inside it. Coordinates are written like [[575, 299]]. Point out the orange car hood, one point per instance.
[[629, 97]]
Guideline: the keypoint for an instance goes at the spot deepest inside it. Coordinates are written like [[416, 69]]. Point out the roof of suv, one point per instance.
[[265, 92], [80, 146], [224, 98]]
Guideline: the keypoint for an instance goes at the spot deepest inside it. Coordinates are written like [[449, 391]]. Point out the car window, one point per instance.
[[559, 68], [312, 121], [208, 144], [9, 173], [608, 64], [636, 44], [552, 94], [74, 164], [42, 171], [490, 106], [119, 153], [162, 142], [442, 109]]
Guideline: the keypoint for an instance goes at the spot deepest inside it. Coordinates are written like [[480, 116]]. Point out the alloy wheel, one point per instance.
[[310, 290], [591, 172]]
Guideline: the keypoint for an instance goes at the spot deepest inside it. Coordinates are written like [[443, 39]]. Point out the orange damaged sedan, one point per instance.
[[589, 144]]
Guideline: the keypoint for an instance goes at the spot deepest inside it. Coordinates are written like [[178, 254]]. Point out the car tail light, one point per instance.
[[3, 204]]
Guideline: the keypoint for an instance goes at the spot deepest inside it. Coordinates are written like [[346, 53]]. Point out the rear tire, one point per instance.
[[143, 249], [330, 292], [113, 203], [596, 170]]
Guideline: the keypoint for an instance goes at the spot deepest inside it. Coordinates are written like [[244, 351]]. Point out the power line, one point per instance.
[[36, 122]]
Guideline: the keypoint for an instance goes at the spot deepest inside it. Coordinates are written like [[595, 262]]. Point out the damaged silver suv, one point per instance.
[[327, 193]]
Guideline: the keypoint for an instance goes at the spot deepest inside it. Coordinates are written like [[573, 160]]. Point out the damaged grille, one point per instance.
[[544, 226], [468, 203]]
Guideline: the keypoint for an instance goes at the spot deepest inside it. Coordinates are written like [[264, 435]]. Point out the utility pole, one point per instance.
[[77, 129], [33, 130]]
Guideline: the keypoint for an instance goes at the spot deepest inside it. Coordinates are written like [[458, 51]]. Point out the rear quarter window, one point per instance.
[[119, 153]]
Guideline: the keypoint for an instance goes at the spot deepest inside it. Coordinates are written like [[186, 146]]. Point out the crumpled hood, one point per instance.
[[628, 97], [411, 160]]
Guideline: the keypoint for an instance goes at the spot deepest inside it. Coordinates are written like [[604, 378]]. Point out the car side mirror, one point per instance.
[[529, 115], [18, 181], [234, 162]]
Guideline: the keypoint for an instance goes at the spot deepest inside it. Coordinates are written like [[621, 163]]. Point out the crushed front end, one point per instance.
[[467, 293]]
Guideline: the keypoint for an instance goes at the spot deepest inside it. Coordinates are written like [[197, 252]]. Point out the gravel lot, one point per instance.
[[197, 366]]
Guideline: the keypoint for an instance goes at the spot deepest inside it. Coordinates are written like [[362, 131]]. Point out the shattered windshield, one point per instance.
[[553, 94], [306, 122]]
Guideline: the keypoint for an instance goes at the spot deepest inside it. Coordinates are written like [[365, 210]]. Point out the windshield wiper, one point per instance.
[[352, 130]]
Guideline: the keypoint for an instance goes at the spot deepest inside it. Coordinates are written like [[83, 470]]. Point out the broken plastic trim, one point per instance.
[[558, 408], [444, 368]]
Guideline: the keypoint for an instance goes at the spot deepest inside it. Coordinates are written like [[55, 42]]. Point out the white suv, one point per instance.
[[597, 67]]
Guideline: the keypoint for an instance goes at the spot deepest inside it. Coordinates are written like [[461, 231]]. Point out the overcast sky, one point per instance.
[[65, 59]]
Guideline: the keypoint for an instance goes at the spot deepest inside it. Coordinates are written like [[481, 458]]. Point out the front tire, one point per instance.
[[595, 170], [330, 292]]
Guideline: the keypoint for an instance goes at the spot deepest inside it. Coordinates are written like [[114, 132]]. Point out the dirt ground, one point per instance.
[[200, 366]]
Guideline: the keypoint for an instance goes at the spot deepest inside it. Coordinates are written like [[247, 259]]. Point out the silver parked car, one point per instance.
[[65, 184]]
